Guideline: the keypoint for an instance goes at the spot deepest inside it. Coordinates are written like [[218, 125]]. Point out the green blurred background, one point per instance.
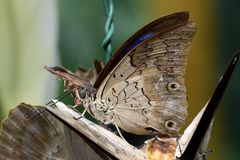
[[35, 33]]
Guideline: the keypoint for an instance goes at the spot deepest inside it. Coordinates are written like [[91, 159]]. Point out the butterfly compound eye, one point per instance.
[[82, 92]]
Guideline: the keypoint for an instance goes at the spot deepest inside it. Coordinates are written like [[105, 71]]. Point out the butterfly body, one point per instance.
[[142, 88]]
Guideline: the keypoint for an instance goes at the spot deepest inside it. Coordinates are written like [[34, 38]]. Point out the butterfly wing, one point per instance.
[[30, 135], [160, 25], [146, 90]]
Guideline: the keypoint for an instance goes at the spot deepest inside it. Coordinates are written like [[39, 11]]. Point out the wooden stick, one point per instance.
[[101, 136]]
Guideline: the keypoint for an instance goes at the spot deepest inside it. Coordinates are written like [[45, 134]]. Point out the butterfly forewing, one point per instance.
[[160, 25], [146, 89]]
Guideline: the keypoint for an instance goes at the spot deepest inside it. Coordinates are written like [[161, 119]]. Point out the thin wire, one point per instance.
[[109, 29]]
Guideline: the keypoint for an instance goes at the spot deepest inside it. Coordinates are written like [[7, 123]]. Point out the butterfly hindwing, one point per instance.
[[146, 89]]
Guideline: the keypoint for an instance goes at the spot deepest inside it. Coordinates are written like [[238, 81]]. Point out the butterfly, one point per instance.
[[142, 88], [33, 132]]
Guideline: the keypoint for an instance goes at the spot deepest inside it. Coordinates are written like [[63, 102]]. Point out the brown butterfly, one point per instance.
[[142, 88], [33, 132]]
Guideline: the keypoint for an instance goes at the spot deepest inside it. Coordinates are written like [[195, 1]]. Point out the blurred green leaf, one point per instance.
[[28, 38], [82, 29]]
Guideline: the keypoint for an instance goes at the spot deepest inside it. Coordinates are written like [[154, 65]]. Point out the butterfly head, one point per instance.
[[82, 90], [84, 93]]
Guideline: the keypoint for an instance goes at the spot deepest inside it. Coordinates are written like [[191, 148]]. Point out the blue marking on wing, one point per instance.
[[137, 41]]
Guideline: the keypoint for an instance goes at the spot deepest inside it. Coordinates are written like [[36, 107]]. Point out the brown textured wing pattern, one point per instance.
[[146, 89], [160, 25], [29, 135]]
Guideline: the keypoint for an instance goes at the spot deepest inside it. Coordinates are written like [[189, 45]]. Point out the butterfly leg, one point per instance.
[[81, 115], [119, 132], [84, 111], [77, 101], [205, 154]]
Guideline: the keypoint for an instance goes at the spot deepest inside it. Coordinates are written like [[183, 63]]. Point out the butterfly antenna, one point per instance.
[[203, 125], [40, 110], [35, 112], [59, 98]]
